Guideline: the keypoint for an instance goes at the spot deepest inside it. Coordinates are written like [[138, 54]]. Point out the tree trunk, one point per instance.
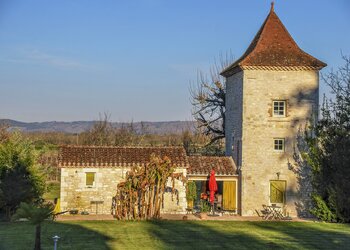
[[37, 245]]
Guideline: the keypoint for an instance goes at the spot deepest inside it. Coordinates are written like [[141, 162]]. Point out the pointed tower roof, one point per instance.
[[273, 48]]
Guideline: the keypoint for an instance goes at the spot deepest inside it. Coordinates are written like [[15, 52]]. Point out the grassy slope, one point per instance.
[[178, 234]]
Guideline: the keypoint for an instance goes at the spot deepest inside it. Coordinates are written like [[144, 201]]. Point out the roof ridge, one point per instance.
[[209, 156], [122, 147]]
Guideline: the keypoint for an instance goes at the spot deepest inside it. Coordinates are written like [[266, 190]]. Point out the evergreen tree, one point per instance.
[[329, 150], [20, 180]]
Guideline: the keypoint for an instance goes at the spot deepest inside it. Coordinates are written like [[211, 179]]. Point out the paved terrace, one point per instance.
[[170, 217]]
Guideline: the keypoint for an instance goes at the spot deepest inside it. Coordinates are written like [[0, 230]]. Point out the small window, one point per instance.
[[279, 144], [277, 191], [90, 179], [279, 108]]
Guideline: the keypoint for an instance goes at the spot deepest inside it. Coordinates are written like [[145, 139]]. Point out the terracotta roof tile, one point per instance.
[[273, 46], [96, 156], [202, 165]]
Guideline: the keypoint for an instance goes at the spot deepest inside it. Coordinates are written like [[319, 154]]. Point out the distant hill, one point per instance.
[[174, 127]]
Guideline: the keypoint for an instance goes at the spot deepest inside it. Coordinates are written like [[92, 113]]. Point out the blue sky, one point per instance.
[[73, 59]]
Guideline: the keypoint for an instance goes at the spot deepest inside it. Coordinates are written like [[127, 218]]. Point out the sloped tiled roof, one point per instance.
[[202, 165], [274, 47], [99, 156]]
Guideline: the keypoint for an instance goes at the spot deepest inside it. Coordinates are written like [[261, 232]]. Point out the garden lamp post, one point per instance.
[[55, 239]]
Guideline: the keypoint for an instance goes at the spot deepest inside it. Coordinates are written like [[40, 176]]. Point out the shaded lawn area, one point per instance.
[[178, 234]]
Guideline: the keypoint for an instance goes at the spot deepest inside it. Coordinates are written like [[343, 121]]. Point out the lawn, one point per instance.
[[178, 234]]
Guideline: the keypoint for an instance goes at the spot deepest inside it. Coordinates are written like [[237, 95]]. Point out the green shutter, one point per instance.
[[90, 178]]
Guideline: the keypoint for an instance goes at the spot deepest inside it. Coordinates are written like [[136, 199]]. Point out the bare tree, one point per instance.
[[101, 134], [208, 101], [125, 135]]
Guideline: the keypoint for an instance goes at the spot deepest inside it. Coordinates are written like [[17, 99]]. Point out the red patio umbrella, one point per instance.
[[213, 186]]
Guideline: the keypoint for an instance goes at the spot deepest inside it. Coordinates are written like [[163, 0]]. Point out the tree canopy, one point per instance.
[[329, 150], [208, 101], [20, 179]]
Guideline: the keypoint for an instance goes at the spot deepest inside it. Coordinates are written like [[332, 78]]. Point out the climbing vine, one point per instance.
[[191, 191]]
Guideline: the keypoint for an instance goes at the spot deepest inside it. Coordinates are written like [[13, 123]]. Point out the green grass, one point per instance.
[[178, 235]]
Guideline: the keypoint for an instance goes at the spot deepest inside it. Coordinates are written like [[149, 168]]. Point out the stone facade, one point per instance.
[[176, 203], [252, 128], [262, 142], [80, 190], [76, 195]]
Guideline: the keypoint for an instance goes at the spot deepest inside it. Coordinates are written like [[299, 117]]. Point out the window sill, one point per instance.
[[279, 151], [279, 119]]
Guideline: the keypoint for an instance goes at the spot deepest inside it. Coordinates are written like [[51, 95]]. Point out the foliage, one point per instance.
[[212, 149], [36, 215], [205, 206], [20, 179], [4, 134], [191, 191], [329, 150], [321, 210], [141, 195], [208, 101]]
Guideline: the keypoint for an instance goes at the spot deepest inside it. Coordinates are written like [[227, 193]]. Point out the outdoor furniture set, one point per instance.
[[272, 212]]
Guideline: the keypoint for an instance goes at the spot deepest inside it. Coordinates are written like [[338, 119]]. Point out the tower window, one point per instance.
[[279, 144], [279, 108]]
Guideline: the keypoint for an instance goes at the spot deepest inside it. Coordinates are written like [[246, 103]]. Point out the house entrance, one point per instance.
[[225, 197]]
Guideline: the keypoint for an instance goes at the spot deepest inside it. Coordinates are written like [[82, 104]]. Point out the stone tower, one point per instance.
[[271, 91]]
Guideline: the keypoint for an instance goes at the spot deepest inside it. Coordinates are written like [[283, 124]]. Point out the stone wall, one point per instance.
[[76, 195], [171, 204], [260, 162], [234, 109]]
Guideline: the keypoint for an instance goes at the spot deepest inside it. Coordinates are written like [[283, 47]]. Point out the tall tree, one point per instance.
[[329, 150], [208, 101]]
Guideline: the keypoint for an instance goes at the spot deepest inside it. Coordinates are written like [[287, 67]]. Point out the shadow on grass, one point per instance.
[[309, 235], [20, 235], [250, 235], [205, 235], [106, 235]]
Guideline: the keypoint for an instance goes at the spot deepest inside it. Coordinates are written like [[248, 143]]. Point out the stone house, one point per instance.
[[90, 175], [271, 92]]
